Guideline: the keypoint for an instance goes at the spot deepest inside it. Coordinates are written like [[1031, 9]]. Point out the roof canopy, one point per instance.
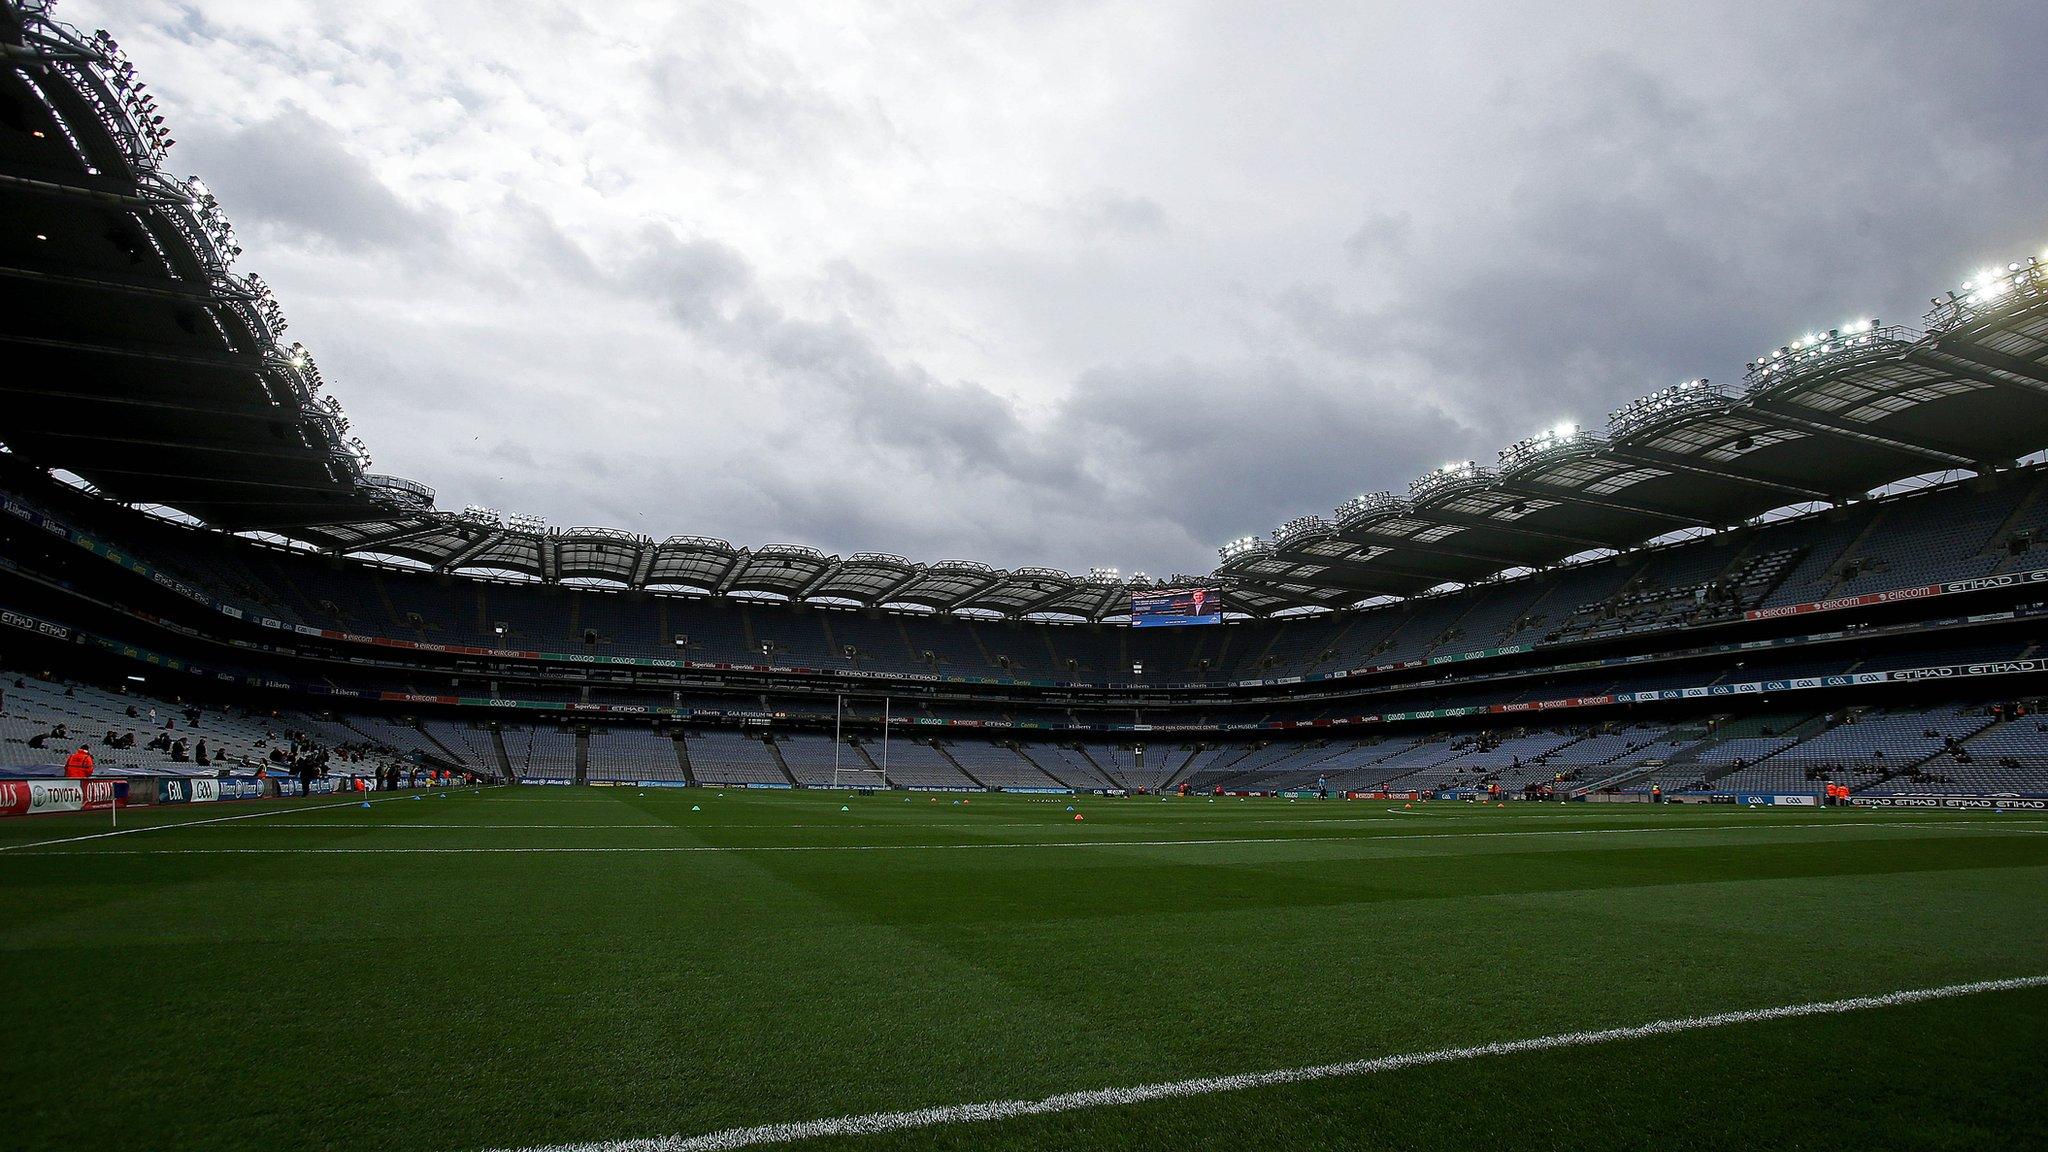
[[142, 363]]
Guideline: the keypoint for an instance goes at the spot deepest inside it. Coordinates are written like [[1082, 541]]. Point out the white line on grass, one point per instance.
[[189, 824], [971, 826], [877, 1122], [998, 845], [691, 826]]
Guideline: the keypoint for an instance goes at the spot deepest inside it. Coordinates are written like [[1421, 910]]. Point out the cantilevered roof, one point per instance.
[[141, 361], [1826, 418]]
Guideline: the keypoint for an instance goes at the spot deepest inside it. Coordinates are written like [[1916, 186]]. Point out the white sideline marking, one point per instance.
[[876, 1122], [691, 826], [998, 845], [357, 825], [186, 824]]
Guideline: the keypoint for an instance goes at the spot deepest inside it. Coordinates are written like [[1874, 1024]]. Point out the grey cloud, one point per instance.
[[1647, 238], [716, 86], [973, 326], [1381, 234], [1225, 449], [695, 279], [293, 171], [547, 245], [1118, 214]]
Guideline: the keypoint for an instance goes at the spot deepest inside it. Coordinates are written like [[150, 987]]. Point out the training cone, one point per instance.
[[366, 803], [1407, 805], [844, 808], [1070, 807], [1077, 815], [694, 808]]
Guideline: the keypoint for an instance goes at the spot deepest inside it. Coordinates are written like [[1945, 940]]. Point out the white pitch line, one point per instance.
[[188, 824], [907, 826], [998, 845], [924, 826], [986, 1111]]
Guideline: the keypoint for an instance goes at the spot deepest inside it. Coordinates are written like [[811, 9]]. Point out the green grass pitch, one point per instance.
[[520, 967]]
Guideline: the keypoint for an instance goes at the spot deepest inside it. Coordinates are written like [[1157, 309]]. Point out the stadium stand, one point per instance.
[[732, 758], [1830, 571]]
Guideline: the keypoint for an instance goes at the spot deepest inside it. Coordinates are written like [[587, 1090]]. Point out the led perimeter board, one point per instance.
[[1175, 606]]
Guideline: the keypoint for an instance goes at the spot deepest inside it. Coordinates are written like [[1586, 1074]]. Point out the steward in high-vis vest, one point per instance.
[[79, 764]]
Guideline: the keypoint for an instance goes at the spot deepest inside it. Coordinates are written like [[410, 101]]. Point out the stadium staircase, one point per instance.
[[1050, 774], [947, 755], [1455, 630], [1848, 553], [781, 765], [504, 758], [753, 647], [1258, 662], [1621, 779], [1908, 768], [683, 758], [987, 660], [391, 612], [1535, 615], [1231, 779], [1794, 735], [1221, 661], [1756, 577], [862, 750], [1097, 765], [431, 739], [1186, 769], [2020, 513]]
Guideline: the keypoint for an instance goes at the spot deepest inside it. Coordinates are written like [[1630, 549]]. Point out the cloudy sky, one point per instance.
[[1050, 282]]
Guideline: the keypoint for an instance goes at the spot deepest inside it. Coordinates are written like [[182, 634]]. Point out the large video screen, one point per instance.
[[1175, 606]]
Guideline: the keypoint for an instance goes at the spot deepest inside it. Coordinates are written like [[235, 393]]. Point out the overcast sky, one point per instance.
[[1059, 283]]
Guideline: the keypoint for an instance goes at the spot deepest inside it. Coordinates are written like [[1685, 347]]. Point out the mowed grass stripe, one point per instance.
[[875, 1123]]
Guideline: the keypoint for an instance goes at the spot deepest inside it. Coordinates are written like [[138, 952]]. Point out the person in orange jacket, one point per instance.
[[79, 764]]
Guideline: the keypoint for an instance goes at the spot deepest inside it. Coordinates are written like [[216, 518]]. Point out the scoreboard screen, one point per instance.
[[1177, 606]]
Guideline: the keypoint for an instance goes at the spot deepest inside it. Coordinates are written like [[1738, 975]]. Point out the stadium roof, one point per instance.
[[144, 364]]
